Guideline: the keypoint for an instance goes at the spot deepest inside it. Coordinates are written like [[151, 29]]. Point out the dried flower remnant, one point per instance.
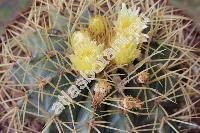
[[143, 78], [101, 89], [129, 102], [43, 82]]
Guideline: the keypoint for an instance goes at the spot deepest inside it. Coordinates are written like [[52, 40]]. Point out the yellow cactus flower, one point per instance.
[[86, 53], [79, 38], [128, 29], [125, 50], [131, 23]]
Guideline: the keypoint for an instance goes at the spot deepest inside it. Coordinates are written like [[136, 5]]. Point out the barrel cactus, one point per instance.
[[99, 66]]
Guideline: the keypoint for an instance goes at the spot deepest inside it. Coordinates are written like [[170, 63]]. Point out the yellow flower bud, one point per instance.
[[97, 25]]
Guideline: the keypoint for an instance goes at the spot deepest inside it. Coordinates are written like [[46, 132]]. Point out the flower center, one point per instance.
[[86, 53]]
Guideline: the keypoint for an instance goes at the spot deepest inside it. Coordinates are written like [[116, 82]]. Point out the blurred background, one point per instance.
[[10, 8]]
